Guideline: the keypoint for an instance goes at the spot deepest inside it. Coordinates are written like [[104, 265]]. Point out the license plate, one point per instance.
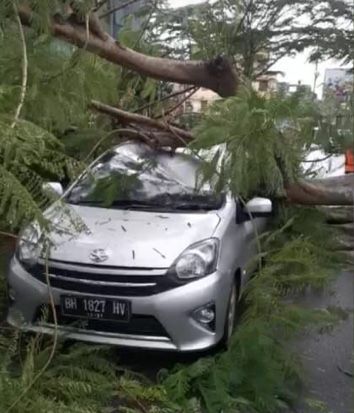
[[95, 308]]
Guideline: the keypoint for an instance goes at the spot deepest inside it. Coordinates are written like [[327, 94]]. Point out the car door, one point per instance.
[[251, 221]]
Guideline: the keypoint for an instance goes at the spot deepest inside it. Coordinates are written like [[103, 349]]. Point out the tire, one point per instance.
[[230, 318]]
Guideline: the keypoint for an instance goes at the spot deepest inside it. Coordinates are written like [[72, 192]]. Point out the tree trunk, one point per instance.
[[338, 215], [338, 190]]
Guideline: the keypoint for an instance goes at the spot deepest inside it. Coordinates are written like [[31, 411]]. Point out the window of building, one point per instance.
[[203, 105], [189, 107], [263, 85]]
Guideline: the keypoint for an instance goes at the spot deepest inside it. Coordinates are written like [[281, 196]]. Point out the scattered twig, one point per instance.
[[346, 372], [160, 253], [24, 69]]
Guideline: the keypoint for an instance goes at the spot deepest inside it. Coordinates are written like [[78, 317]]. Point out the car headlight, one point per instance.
[[29, 247], [198, 260]]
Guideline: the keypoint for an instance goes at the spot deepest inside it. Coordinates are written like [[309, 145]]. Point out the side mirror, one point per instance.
[[256, 207], [53, 188], [259, 207]]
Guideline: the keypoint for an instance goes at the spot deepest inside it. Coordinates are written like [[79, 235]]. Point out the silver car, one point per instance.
[[142, 253]]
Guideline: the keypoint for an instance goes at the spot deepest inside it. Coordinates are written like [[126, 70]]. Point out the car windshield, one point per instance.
[[145, 179]]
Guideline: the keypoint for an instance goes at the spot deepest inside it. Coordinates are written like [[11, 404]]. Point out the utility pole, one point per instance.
[[316, 75]]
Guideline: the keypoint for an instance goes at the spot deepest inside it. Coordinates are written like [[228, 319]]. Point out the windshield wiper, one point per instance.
[[121, 204], [126, 204], [195, 207], [145, 205]]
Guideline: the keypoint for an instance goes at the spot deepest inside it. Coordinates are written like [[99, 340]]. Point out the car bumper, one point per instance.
[[172, 309]]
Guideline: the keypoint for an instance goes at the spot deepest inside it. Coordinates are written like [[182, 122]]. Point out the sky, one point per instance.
[[295, 68]]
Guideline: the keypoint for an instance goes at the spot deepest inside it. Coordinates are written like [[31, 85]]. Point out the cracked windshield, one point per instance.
[[146, 180]]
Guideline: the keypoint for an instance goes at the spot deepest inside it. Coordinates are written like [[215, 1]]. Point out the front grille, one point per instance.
[[101, 280], [140, 325]]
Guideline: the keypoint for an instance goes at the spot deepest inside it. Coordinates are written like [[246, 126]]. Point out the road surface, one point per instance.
[[328, 357]]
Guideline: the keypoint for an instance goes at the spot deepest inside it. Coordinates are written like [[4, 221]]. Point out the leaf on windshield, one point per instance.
[[110, 188]]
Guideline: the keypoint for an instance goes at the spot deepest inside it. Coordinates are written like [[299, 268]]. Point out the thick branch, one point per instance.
[[338, 190], [135, 119], [217, 74]]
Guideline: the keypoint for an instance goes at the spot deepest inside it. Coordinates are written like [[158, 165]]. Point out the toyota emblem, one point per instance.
[[98, 255]]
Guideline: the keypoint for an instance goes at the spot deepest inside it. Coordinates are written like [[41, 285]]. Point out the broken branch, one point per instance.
[[134, 118], [217, 74]]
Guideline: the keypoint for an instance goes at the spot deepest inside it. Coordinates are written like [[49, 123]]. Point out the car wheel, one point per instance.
[[230, 318]]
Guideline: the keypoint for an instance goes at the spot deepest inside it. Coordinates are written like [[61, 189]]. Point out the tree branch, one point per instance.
[[24, 69], [133, 118], [216, 74]]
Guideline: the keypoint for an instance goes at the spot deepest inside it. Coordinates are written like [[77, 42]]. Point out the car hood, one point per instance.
[[129, 238]]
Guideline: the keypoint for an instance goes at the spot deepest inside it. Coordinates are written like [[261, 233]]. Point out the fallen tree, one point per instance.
[[217, 74]]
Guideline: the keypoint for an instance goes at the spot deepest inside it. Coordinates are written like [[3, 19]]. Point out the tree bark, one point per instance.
[[342, 215], [217, 74], [338, 190]]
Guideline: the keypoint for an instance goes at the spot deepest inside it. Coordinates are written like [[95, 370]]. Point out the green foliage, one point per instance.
[[60, 84], [259, 373], [134, 90], [79, 380], [61, 81], [334, 39], [264, 140], [111, 188], [259, 33], [28, 154]]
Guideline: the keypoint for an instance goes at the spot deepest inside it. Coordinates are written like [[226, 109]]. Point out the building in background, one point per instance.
[[287, 89], [267, 84], [200, 100], [339, 83]]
